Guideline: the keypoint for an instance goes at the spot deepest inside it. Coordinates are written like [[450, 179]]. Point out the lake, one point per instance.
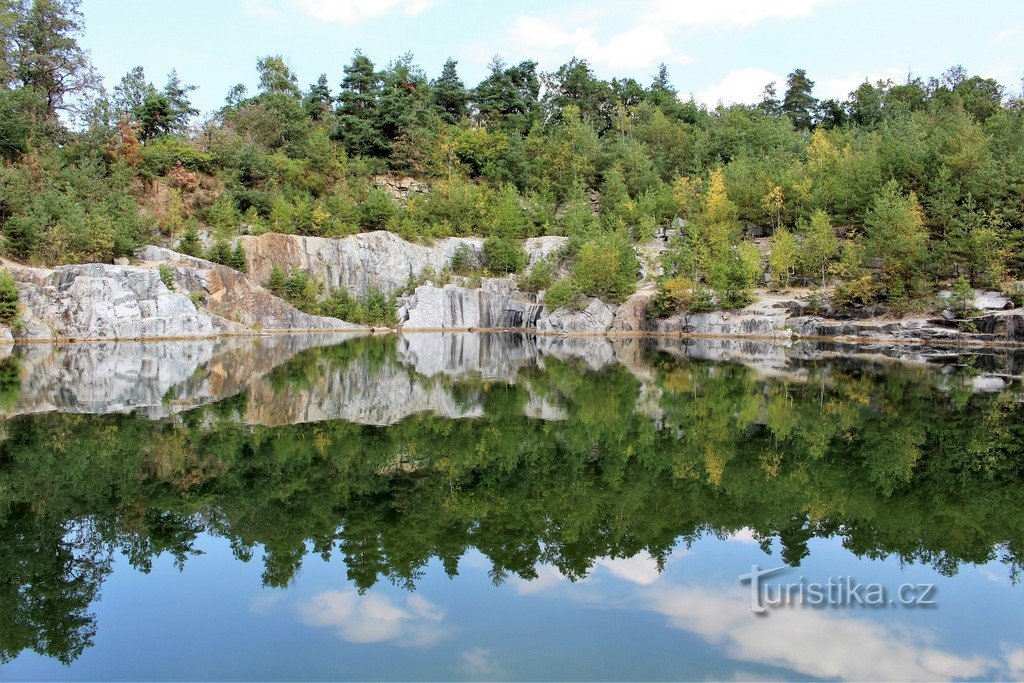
[[503, 506]]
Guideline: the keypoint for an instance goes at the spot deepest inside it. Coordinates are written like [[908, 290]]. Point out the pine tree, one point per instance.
[[319, 99], [190, 244], [449, 93], [8, 298], [357, 108], [798, 103]]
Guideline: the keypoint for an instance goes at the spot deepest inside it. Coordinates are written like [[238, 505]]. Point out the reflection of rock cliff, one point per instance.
[[382, 380]]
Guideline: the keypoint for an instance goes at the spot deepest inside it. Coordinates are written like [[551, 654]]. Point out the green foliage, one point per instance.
[[961, 298], [463, 261], [782, 258], [167, 275], [190, 243], [563, 294], [374, 308], [503, 256], [8, 299], [606, 267], [896, 241], [540, 277]]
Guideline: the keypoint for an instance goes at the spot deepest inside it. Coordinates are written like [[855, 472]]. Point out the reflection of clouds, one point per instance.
[[744, 535], [1014, 662], [809, 641], [641, 569], [265, 602], [376, 618], [547, 577], [480, 664]]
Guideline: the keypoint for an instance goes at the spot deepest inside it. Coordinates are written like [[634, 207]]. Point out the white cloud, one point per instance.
[[376, 618], [730, 12], [480, 664], [640, 46], [346, 12], [746, 86], [266, 602], [1006, 34], [742, 86], [810, 641]]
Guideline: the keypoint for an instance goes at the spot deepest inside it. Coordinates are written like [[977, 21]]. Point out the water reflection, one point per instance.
[[550, 459]]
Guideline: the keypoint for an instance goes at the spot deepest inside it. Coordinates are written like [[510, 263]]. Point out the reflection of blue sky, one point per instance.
[[625, 621]]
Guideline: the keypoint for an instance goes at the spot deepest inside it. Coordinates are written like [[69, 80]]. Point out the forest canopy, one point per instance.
[[887, 194]]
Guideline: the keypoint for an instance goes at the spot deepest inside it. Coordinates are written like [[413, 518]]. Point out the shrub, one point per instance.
[[606, 268], [276, 281], [375, 308], [961, 298], [8, 298], [189, 243], [237, 258], [539, 278], [463, 262], [219, 252], [734, 275], [674, 295], [503, 256], [563, 294], [167, 275], [862, 291], [378, 210]]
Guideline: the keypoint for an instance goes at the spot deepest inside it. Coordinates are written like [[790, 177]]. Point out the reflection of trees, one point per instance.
[[891, 464]]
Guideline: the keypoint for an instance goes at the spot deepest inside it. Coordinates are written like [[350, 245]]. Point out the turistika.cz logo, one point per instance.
[[838, 591]]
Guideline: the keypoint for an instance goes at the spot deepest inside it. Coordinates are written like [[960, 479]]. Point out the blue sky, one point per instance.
[[715, 49]]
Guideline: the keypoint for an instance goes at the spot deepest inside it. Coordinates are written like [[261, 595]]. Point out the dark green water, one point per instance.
[[500, 506]]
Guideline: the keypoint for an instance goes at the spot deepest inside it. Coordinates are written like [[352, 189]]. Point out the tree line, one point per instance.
[[897, 189]]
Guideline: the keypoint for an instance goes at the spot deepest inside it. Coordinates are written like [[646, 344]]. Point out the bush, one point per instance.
[[189, 243], [376, 308], [237, 258], [539, 278], [606, 268], [378, 210], [8, 299], [734, 275], [219, 252], [674, 295], [167, 275], [503, 256], [862, 291], [563, 294], [463, 262], [961, 298]]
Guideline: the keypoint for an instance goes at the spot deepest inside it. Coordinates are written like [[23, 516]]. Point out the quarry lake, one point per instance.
[[507, 506]]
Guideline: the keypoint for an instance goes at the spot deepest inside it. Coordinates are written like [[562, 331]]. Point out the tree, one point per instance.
[[179, 104], [276, 76], [818, 246], [508, 97], [896, 241], [190, 243], [782, 259], [50, 62], [358, 125], [8, 298], [798, 102], [449, 93], [318, 101], [131, 92]]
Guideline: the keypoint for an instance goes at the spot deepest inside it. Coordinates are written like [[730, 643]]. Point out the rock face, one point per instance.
[[236, 296], [97, 301], [596, 317], [494, 304], [372, 259]]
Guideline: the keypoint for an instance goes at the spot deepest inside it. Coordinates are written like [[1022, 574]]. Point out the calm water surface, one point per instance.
[[501, 506]]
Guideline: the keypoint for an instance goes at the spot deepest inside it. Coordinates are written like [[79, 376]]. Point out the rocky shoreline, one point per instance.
[[167, 295]]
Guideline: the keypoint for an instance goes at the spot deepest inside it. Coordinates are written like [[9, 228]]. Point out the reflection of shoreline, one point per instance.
[[158, 379]]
